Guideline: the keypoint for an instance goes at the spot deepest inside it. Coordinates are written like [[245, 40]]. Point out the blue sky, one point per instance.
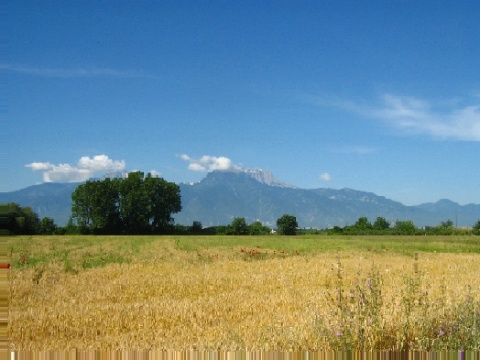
[[380, 96]]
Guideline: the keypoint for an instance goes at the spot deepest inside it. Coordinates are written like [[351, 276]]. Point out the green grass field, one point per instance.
[[95, 251]]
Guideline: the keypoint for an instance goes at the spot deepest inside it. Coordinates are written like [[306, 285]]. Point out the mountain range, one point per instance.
[[257, 196]]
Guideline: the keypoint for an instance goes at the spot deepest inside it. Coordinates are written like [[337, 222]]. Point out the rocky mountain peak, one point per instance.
[[266, 177]]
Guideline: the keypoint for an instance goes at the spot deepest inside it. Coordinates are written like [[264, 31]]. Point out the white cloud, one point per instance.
[[85, 169], [209, 163], [38, 166], [420, 117], [443, 120], [326, 177], [100, 163]]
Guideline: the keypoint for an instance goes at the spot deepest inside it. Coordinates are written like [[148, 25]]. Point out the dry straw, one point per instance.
[[223, 301], [356, 302]]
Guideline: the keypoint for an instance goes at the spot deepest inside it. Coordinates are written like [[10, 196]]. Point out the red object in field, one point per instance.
[[4, 266]]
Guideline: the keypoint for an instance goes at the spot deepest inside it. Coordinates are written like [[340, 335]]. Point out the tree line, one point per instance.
[[286, 225], [18, 220], [141, 204], [401, 227], [137, 204]]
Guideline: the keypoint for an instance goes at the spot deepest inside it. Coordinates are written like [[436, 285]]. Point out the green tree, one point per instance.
[[447, 224], [31, 225], [135, 205], [256, 228], [4, 220], [239, 226], [15, 220], [163, 200], [196, 227], [94, 206], [106, 214], [405, 227], [445, 228], [221, 230], [81, 207], [71, 228], [363, 224], [47, 226], [287, 225], [476, 227], [336, 230], [381, 224], [20, 220]]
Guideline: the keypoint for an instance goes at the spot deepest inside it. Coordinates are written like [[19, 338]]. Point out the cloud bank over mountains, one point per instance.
[[85, 169], [210, 163], [101, 165]]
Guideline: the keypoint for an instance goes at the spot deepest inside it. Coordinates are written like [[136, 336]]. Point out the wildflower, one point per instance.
[[441, 332]]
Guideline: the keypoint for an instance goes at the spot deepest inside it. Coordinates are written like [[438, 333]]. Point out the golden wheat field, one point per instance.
[[163, 293]]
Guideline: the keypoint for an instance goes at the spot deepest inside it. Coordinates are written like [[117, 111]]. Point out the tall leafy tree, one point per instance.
[[31, 222], [81, 207], [381, 224], [447, 224], [47, 226], [287, 225], [163, 199], [196, 227], [135, 205], [239, 226], [106, 206], [363, 224], [476, 227], [95, 206], [256, 228], [20, 220], [4, 220], [406, 227]]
